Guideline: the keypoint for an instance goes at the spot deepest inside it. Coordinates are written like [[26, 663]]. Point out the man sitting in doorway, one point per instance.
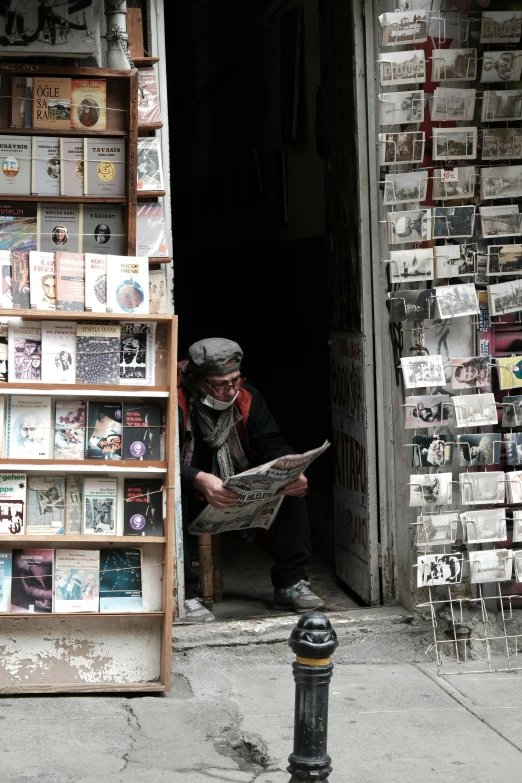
[[225, 428]]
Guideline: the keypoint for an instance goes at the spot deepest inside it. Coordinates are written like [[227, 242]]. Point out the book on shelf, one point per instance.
[[102, 228], [59, 352], [88, 104], [6, 302], [25, 351], [32, 581], [148, 97], [4, 356], [2, 423], [69, 429], [95, 283], [98, 353], [104, 430], [6, 572], [18, 101], [73, 503], [32, 29], [70, 281], [142, 431], [45, 174], [71, 167], [150, 169], [99, 506], [42, 280], [18, 225], [59, 227], [158, 291], [138, 354], [45, 505], [13, 495], [21, 287], [143, 511], [51, 102], [28, 427], [127, 284], [104, 168], [120, 580], [15, 171], [28, 111], [151, 236], [76, 580]]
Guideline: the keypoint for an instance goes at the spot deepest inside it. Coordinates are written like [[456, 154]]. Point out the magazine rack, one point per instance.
[[98, 652]]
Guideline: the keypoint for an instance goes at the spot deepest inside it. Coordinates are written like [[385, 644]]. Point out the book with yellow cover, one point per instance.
[[510, 372], [88, 104], [51, 102]]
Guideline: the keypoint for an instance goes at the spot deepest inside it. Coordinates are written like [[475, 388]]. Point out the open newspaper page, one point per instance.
[[258, 493]]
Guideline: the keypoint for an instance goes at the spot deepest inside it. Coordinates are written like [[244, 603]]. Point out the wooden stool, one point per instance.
[[210, 571]]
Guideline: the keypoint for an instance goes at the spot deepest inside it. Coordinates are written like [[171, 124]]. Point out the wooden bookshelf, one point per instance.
[[38, 315], [149, 127], [145, 62], [143, 195]]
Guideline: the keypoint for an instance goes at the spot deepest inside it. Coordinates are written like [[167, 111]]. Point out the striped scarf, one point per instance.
[[215, 434]]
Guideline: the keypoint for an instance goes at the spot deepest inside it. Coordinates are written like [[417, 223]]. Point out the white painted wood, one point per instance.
[[70, 467], [91, 395]]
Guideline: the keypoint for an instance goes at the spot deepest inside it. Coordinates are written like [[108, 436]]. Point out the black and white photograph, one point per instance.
[[407, 147], [501, 143], [404, 27], [501, 66], [479, 488], [455, 260], [411, 305], [504, 259], [411, 266], [454, 143], [471, 373], [405, 187], [453, 104], [513, 441], [430, 489], [481, 273], [501, 105], [458, 182], [514, 486], [410, 226], [501, 182], [427, 411], [500, 221], [512, 411], [483, 527], [423, 371], [491, 565], [407, 67], [436, 529], [434, 570], [453, 222], [432, 451], [500, 26], [517, 560], [455, 65], [479, 449], [475, 410], [517, 528], [456, 301], [505, 297], [401, 108]]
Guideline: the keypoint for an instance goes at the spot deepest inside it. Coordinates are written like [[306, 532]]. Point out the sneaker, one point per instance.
[[196, 612], [298, 597]]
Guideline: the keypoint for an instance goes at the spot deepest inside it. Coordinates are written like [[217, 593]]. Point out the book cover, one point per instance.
[[99, 506], [51, 102], [120, 580], [13, 487], [6, 570], [6, 301], [45, 505], [104, 428], [98, 353], [76, 580], [32, 581], [137, 359], [127, 284], [88, 104], [28, 111], [25, 351], [45, 173], [95, 283], [150, 169], [69, 429], [142, 431], [71, 167], [59, 227], [158, 291], [70, 281], [42, 279], [102, 228], [59, 352], [28, 427], [73, 503], [4, 354], [18, 101], [104, 167], [21, 287], [15, 171], [18, 226], [151, 236], [148, 97], [143, 512]]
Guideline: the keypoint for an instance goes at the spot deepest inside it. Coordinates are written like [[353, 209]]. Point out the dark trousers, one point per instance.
[[291, 547]]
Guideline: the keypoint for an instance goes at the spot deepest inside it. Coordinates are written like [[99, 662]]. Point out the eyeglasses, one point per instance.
[[223, 388]]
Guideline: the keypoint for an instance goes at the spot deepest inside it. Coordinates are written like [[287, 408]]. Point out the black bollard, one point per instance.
[[313, 640]]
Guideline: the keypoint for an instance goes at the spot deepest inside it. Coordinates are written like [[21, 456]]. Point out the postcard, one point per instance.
[[500, 221], [504, 259], [483, 527], [457, 65], [401, 108], [433, 570], [475, 410], [456, 301], [407, 67], [501, 105], [500, 26], [501, 182], [501, 143], [404, 27], [458, 182], [436, 529], [423, 371], [406, 147], [471, 373], [409, 226], [505, 297], [455, 260], [481, 273], [512, 411], [452, 104], [517, 528], [517, 558], [411, 305], [501, 66], [453, 222], [509, 372], [431, 489], [491, 565], [411, 265], [514, 486], [399, 188], [513, 442], [481, 449], [432, 451], [427, 411], [454, 143], [479, 488]]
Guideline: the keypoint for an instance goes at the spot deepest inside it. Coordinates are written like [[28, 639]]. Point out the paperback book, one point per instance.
[[4, 364], [120, 580], [18, 229], [51, 102], [158, 289], [99, 506], [73, 503], [77, 580], [58, 352], [6, 570], [98, 353], [137, 358], [95, 283], [45, 175], [45, 505], [42, 278], [127, 285], [143, 511], [18, 101], [69, 429], [6, 302], [102, 229], [32, 581], [104, 167], [28, 427], [21, 287], [88, 104], [148, 98], [71, 167], [28, 110], [15, 170], [70, 281], [59, 227], [150, 169], [142, 431], [25, 351], [104, 430], [13, 488], [151, 236]]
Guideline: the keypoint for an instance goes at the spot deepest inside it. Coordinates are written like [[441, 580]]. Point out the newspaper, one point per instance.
[[258, 493]]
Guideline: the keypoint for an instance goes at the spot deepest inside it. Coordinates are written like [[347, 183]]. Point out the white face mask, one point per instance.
[[218, 405]]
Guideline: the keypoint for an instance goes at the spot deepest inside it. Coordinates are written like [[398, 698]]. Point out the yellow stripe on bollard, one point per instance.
[[313, 661]]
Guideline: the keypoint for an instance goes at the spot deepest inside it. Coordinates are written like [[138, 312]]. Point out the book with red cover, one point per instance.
[[148, 98], [70, 281]]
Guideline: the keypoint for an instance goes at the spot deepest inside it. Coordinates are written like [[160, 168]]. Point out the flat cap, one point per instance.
[[213, 356]]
